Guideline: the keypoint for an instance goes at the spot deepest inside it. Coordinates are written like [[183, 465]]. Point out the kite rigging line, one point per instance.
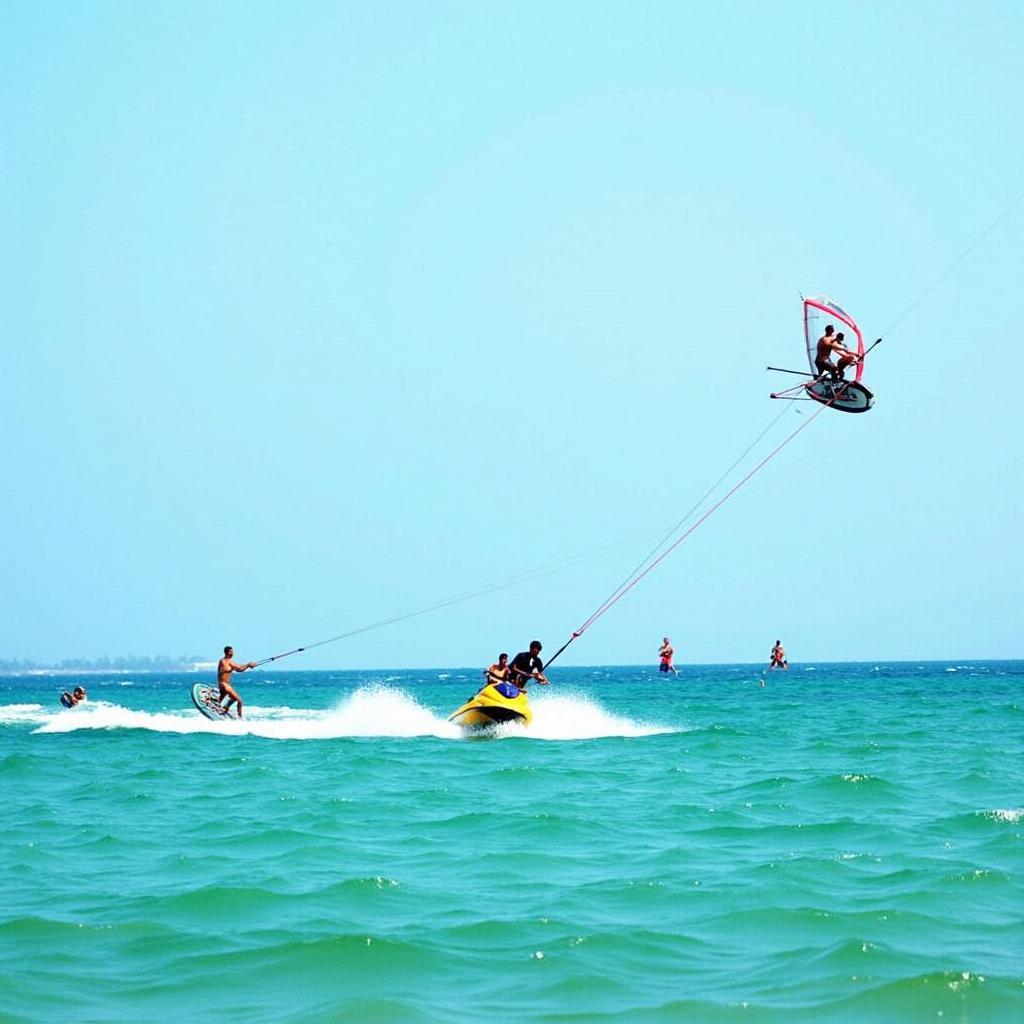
[[952, 266], [700, 501], [530, 574], [621, 592], [489, 588]]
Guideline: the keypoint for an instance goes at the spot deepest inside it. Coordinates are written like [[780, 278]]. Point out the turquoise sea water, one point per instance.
[[844, 844]]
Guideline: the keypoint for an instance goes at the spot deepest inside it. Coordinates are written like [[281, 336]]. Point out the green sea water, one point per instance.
[[845, 843]]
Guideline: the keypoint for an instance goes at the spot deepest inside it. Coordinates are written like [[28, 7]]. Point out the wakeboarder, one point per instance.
[[224, 669]]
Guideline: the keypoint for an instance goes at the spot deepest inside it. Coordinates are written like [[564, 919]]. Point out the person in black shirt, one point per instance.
[[526, 665]]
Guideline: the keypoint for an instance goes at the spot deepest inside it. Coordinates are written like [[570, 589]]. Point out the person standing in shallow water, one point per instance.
[[665, 653], [778, 657], [224, 669]]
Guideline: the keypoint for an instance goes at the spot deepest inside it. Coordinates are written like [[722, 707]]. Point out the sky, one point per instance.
[[316, 314]]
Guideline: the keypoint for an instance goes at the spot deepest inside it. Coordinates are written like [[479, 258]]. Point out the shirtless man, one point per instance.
[[224, 669], [665, 653], [498, 672], [778, 656], [830, 343]]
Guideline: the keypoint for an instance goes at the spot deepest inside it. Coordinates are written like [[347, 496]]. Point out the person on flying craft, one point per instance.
[[526, 665], [499, 671], [665, 653], [830, 343], [224, 669], [778, 658]]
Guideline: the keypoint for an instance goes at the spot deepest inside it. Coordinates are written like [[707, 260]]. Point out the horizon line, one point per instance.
[[56, 670]]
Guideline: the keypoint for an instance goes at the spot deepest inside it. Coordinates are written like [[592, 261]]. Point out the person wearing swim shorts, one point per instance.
[[225, 667], [665, 653]]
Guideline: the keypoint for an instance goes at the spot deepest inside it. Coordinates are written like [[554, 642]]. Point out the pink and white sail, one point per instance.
[[819, 312]]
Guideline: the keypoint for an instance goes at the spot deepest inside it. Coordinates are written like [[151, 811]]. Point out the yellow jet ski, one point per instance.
[[495, 703]]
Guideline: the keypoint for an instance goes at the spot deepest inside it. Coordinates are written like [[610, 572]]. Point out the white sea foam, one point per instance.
[[575, 716], [1012, 815], [103, 715], [370, 711], [22, 713]]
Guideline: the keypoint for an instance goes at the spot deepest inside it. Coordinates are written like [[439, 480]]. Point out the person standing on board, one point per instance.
[[828, 344], [526, 665], [224, 669], [665, 653], [778, 659]]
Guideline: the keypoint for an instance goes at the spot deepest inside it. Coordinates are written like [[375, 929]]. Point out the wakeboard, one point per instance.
[[845, 396], [205, 699]]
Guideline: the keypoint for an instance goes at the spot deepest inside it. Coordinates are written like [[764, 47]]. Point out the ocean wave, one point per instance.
[[13, 713], [1013, 815], [371, 711], [960, 995], [103, 715]]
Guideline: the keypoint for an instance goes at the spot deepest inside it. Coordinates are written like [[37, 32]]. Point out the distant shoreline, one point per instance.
[[92, 670], [198, 668]]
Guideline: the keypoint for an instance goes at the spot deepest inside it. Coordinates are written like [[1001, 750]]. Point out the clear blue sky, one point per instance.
[[314, 313]]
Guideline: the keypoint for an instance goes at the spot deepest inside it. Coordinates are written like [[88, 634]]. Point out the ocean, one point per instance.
[[844, 844]]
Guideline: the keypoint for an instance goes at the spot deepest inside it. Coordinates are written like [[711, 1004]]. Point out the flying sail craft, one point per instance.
[[829, 330]]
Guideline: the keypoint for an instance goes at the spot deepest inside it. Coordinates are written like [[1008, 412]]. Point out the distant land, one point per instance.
[[122, 663]]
